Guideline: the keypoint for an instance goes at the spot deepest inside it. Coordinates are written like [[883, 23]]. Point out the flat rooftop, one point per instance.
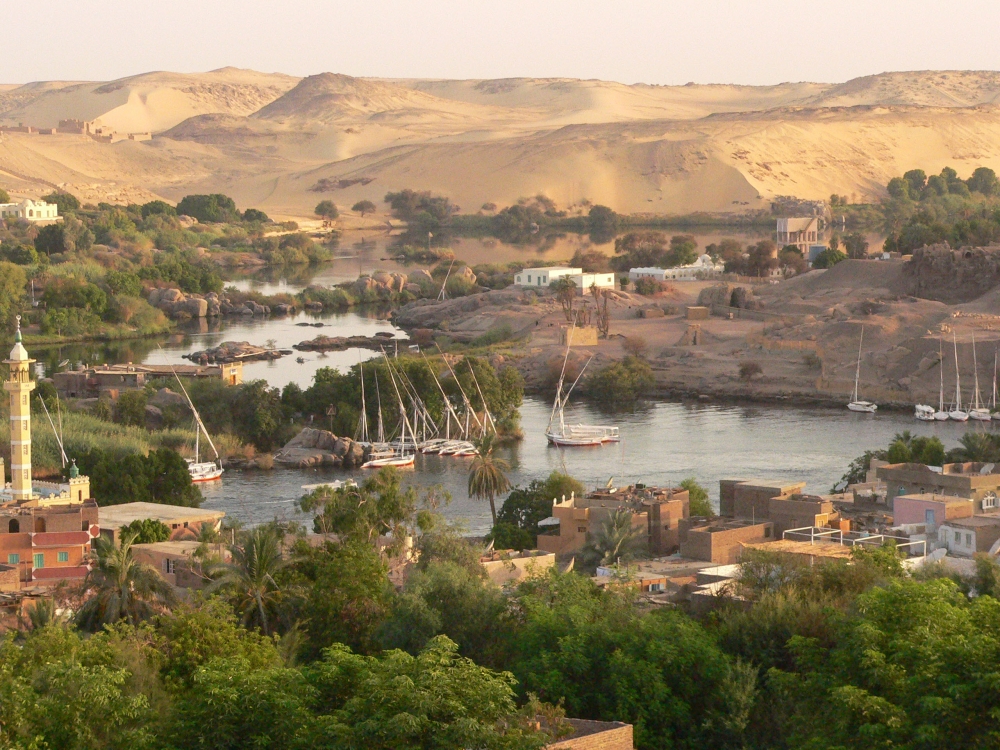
[[186, 548], [816, 549], [974, 522], [116, 516], [934, 497]]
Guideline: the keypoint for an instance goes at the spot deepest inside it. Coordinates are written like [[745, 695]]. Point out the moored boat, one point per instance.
[[856, 404]]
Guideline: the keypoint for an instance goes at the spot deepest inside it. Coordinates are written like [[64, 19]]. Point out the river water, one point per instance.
[[662, 442]]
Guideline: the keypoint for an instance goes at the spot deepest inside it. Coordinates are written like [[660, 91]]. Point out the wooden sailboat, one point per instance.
[[856, 403], [957, 414], [978, 411], [401, 454], [941, 415]]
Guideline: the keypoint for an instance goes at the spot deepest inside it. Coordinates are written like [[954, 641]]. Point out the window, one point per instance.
[[39, 560], [13, 558], [169, 566], [582, 529], [63, 557], [529, 278], [968, 540], [958, 538], [13, 527]]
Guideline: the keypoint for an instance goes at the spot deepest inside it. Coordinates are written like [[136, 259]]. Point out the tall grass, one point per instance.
[[82, 432]]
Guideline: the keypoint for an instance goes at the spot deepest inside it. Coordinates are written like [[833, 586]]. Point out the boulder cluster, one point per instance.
[[177, 304], [311, 448], [416, 283], [233, 351]]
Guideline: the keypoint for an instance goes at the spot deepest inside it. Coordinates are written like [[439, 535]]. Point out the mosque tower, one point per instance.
[[20, 385]]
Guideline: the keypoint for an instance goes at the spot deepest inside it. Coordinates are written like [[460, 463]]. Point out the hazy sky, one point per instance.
[[652, 41]]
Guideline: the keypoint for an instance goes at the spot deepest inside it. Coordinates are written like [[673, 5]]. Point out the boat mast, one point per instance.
[[941, 373], [958, 387], [402, 412], [363, 420], [557, 404], [465, 399], [975, 373], [197, 416], [857, 372], [993, 401], [449, 410], [378, 397]]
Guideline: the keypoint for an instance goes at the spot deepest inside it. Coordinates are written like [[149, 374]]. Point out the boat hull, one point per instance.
[[941, 416], [570, 441], [980, 415], [397, 461], [863, 406], [210, 476], [958, 416]]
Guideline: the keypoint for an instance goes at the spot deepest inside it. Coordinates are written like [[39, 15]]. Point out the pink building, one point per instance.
[[930, 509]]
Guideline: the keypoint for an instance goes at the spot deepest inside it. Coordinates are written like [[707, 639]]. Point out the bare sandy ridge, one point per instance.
[[270, 139]]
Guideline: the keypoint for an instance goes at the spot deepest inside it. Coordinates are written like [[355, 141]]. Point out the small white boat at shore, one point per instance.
[[924, 413], [380, 459], [940, 415]]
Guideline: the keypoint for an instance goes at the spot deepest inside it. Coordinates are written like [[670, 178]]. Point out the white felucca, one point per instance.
[[978, 411], [403, 453], [201, 471], [856, 403], [580, 434], [957, 414]]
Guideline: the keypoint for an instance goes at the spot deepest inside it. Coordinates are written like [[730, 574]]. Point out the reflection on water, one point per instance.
[[661, 444]]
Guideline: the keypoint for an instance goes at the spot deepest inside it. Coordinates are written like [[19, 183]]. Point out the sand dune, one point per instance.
[[272, 140]]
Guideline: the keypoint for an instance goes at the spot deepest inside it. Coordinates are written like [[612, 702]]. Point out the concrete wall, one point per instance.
[[518, 566], [788, 513], [722, 544], [912, 509]]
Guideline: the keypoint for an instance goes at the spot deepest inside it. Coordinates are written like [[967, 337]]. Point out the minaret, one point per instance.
[[19, 385]]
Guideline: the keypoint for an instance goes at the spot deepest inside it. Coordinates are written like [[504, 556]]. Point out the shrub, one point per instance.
[[215, 208], [494, 336], [647, 287], [621, 382], [749, 370], [635, 346], [147, 531]]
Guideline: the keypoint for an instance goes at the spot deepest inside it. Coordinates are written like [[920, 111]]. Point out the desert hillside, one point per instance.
[[282, 143]]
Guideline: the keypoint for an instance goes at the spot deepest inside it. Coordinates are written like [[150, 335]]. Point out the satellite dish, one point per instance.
[[63, 363], [988, 469], [840, 486]]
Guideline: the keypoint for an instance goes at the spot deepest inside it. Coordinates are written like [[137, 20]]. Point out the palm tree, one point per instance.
[[121, 588], [976, 446], [250, 579], [616, 539], [486, 475]]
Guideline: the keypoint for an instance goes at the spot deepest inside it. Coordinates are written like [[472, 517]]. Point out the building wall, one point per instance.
[[663, 522], [515, 568], [787, 513], [752, 500], [596, 735], [721, 544], [913, 510]]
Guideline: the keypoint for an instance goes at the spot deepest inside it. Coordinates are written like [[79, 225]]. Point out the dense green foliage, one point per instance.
[[652, 249], [516, 526], [146, 531], [161, 476], [620, 383]]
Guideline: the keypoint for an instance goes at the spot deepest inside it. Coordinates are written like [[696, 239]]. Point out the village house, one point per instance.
[[801, 233], [177, 561], [978, 482], [719, 540], [91, 382], [184, 523], [506, 566], [965, 537], [656, 512], [703, 268], [542, 277], [30, 210]]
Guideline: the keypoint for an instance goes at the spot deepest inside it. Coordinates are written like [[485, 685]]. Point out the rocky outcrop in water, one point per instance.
[[311, 448], [339, 343], [235, 351]]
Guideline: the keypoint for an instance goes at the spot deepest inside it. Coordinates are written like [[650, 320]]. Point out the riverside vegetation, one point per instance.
[[311, 647]]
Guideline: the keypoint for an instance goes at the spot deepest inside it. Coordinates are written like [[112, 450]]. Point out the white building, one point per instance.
[[703, 268], [30, 210], [544, 276]]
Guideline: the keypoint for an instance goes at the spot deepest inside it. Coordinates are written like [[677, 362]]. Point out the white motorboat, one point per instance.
[[924, 413], [957, 413], [379, 459], [940, 415], [856, 403], [337, 484]]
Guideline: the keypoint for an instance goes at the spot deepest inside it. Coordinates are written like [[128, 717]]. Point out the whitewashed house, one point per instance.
[[30, 210], [539, 277], [703, 268]]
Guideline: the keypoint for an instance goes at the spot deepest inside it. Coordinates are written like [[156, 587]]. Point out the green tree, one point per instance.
[[856, 245], [326, 210], [617, 540], [13, 283], [698, 497], [161, 476], [4, 196], [250, 580], [18, 253], [640, 250], [378, 507], [123, 283], [363, 207], [984, 180], [66, 202], [916, 179], [51, 239], [828, 258], [130, 408], [157, 208], [118, 588], [216, 208], [603, 223], [146, 531], [683, 250], [255, 215], [565, 291], [486, 475], [345, 593], [621, 383], [898, 188]]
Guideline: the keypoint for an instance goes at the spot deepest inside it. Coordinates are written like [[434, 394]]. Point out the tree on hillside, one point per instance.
[[217, 208], [856, 245], [67, 202], [698, 498], [327, 210], [51, 239], [683, 250], [602, 223], [364, 207], [565, 290], [254, 214], [13, 283], [640, 250], [154, 208], [828, 258], [4, 196], [984, 180]]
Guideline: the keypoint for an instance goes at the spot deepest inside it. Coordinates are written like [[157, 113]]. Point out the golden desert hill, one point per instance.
[[282, 143]]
